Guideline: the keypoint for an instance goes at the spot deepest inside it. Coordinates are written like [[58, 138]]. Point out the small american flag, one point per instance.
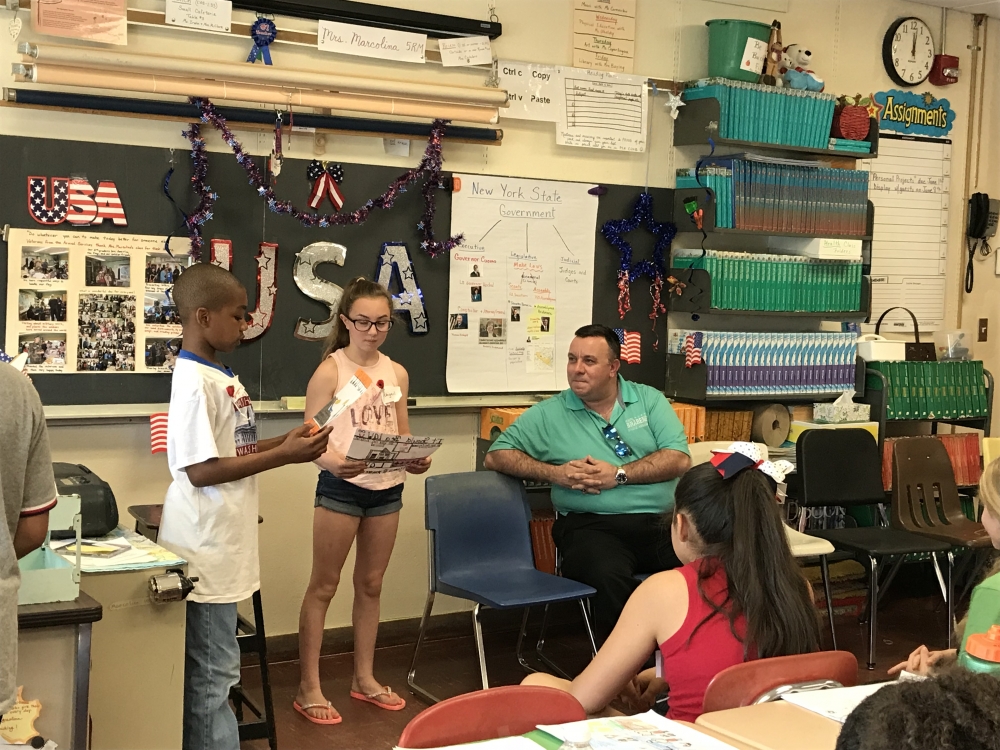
[[692, 349], [5, 357], [631, 343], [158, 432]]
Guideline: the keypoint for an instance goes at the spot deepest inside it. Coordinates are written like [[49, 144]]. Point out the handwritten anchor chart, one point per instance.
[[521, 283], [909, 187]]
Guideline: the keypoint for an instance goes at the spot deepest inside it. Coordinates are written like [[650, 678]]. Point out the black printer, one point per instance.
[[98, 508]]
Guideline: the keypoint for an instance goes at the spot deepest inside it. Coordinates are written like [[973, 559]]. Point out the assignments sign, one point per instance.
[[95, 20]]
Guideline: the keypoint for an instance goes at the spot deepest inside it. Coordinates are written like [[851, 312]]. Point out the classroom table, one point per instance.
[[54, 651], [773, 726]]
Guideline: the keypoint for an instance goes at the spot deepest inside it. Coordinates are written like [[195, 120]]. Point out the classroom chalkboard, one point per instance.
[[278, 364]]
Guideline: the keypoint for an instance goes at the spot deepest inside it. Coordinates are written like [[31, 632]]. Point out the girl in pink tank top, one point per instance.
[[352, 504], [738, 596]]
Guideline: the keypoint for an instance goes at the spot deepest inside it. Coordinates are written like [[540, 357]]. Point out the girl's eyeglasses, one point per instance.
[[621, 447], [363, 324]]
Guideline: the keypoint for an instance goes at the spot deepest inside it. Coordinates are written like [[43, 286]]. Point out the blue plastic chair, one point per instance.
[[479, 549]]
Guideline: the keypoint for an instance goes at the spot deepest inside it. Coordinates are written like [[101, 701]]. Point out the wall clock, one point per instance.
[[908, 51]]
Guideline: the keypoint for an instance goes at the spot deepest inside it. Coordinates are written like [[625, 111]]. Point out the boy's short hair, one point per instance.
[[204, 285], [957, 709]]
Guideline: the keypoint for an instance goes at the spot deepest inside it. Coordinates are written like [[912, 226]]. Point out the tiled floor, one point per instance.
[[449, 667]]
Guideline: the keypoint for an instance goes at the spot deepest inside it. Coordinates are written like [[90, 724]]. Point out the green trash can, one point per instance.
[[727, 45]]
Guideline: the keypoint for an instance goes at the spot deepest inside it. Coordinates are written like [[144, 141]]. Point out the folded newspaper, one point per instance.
[[355, 388], [383, 453]]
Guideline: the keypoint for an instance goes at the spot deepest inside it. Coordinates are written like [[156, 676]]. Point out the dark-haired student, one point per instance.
[[210, 512], [957, 710], [738, 596], [612, 451]]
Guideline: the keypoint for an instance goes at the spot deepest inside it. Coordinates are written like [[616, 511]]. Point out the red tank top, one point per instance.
[[690, 663]]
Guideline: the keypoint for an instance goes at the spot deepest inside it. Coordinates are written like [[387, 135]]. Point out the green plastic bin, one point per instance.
[[727, 41]]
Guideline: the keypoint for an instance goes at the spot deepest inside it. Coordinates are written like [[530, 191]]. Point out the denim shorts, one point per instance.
[[341, 496]]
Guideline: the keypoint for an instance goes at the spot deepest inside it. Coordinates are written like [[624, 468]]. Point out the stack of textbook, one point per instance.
[[757, 364], [932, 390], [778, 283], [782, 195], [765, 114]]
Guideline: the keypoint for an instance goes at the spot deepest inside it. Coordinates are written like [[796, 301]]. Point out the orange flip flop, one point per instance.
[[373, 698], [304, 711]]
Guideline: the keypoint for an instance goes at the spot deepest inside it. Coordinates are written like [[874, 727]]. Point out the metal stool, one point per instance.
[[250, 636]]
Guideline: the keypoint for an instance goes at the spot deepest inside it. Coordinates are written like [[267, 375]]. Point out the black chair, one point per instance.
[[842, 467]]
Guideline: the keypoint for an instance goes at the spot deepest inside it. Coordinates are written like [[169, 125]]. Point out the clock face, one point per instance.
[[908, 51]]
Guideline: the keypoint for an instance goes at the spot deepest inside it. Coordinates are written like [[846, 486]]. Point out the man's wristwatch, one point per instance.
[[620, 476]]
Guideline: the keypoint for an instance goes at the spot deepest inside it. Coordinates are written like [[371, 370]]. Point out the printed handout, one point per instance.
[[383, 452]]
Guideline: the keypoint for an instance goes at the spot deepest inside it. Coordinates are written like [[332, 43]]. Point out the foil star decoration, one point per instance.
[[673, 104]]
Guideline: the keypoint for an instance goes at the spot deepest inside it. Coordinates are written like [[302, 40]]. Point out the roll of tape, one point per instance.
[[771, 424]]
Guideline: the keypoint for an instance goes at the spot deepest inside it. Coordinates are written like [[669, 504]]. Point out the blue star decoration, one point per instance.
[[5, 357], [664, 232]]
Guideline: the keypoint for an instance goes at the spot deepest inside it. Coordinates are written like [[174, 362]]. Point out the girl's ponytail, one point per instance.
[[739, 525], [774, 595]]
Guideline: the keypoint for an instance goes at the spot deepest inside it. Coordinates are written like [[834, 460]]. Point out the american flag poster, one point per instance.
[[631, 342], [158, 432], [93, 302]]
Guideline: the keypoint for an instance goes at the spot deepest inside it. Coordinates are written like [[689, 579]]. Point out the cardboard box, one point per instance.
[[494, 420]]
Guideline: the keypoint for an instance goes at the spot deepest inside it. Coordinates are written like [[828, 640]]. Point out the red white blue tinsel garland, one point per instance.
[[429, 170], [207, 198]]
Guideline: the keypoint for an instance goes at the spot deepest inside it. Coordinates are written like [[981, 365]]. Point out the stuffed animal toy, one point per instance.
[[795, 69]]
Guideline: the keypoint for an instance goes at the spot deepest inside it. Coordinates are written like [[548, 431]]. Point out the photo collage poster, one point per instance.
[[93, 302]]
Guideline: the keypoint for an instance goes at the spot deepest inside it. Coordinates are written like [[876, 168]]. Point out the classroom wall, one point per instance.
[[845, 36]]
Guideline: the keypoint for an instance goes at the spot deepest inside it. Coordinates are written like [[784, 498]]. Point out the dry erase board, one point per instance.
[[277, 363]]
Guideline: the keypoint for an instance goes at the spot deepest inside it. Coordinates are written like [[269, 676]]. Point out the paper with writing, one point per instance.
[[94, 20], [648, 731], [520, 284], [909, 186], [465, 50], [383, 453], [604, 35], [533, 91], [396, 146], [603, 110], [212, 15], [835, 703], [367, 41]]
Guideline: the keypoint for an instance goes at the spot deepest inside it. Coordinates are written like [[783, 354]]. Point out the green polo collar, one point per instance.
[[626, 390]]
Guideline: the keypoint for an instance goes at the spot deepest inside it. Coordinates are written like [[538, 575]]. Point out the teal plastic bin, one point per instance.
[[727, 41]]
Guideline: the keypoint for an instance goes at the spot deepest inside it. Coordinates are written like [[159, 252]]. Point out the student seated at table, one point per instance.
[[738, 596], [957, 710], [923, 661]]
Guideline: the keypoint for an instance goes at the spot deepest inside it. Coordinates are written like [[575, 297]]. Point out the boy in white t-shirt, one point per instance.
[[210, 512]]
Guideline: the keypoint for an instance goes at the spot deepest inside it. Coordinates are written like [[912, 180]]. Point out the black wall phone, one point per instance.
[[983, 216]]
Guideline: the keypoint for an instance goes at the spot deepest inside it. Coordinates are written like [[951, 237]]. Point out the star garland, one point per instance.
[[429, 169], [199, 172], [613, 231]]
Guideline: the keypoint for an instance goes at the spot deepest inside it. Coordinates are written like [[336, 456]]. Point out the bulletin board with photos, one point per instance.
[[93, 302], [90, 302]]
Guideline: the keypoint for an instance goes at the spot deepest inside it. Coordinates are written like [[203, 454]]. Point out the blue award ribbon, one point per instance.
[[263, 32]]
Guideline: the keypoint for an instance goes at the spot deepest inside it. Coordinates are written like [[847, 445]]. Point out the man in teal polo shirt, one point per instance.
[[612, 451]]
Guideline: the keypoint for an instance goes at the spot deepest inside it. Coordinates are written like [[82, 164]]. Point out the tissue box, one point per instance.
[[838, 413]]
